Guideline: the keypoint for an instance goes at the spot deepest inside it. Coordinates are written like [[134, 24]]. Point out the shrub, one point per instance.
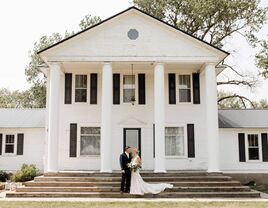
[[27, 173], [4, 176]]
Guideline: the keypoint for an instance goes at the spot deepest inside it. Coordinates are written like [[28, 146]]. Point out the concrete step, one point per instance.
[[147, 179], [117, 184], [251, 194], [117, 189], [118, 174]]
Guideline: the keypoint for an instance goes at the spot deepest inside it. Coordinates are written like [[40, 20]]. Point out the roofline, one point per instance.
[[133, 7]]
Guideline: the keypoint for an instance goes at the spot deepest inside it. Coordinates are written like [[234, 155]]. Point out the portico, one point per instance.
[[91, 88]]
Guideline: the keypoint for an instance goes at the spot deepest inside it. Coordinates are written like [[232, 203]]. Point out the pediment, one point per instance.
[[112, 39]]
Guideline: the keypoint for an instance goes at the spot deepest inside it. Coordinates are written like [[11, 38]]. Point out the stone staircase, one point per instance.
[[187, 184]]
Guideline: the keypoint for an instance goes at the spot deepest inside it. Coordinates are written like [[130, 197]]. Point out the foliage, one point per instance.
[[27, 173], [17, 99], [33, 74], [4, 176], [228, 100], [210, 20], [89, 21], [262, 58]]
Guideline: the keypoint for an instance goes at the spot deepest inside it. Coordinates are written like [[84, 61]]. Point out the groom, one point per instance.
[[125, 158]]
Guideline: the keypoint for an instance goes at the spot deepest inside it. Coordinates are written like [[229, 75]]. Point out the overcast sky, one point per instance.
[[24, 22]]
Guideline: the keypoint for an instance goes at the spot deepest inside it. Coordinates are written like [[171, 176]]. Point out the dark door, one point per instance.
[[132, 138]]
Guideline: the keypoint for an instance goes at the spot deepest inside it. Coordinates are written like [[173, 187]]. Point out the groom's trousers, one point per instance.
[[125, 181]]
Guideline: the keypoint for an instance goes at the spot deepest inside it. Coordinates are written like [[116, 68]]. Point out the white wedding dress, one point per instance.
[[139, 187]]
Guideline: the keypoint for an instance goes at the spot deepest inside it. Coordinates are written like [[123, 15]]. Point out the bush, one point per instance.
[[4, 176], [27, 173]]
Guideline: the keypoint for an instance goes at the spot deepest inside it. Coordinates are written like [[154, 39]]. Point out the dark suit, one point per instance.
[[126, 175]]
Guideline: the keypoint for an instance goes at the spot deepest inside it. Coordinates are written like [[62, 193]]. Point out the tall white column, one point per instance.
[[53, 118], [212, 118], [106, 113], [159, 118]]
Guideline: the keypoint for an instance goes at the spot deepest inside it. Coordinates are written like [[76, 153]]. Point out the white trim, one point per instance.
[[4, 144], [151, 59], [259, 146], [73, 88], [122, 74], [177, 88]]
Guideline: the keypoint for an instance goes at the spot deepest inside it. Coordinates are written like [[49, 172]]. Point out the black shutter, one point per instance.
[[141, 82], [190, 137], [264, 141], [196, 88], [20, 141], [242, 151], [172, 88], [1, 137], [116, 88], [73, 139], [93, 88], [68, 88]]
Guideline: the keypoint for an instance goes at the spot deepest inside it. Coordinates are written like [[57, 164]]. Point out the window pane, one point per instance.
[[129, 80], [184, 88], [253, 153], [128, 94], [10, 138], [253, 140], [90, 145], [80, 81], [174, 141], [184, 81], [90, 141], [185, 95], [90, 130], [80, 95], [128, 88], [9, 148]]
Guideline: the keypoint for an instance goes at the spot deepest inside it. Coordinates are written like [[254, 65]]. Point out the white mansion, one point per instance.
[[133, 80]]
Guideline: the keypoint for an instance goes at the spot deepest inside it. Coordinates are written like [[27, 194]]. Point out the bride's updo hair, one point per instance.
[[135, 150]]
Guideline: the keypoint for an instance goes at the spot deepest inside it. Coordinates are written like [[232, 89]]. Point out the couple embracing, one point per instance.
[[132, 181]]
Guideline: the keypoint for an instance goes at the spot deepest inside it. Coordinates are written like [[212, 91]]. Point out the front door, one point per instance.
[[132, 138]]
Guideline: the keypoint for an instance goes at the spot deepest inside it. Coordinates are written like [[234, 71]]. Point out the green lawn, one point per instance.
[[13, 204]]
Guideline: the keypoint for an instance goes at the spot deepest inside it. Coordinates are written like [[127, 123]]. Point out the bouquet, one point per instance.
[[133, 165]]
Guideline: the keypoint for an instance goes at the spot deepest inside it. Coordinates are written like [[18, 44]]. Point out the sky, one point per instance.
[[22, 23]]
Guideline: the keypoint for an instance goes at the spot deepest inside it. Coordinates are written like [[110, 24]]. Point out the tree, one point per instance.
[[262, 59], [33, 74], [234, 101], [16, 99], [213, 21]]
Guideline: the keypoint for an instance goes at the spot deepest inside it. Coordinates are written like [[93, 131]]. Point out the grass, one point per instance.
[[14, 204]]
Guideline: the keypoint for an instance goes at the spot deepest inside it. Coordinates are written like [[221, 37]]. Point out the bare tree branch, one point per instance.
[[250, 84], [240, 97], [233, 69]]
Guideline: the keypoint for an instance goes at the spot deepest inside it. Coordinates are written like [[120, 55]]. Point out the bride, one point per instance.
[[138, 186]]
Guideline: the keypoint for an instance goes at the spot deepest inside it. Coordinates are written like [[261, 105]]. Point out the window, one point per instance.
[[80, 88], [10, 143], [90, 141], [184, 88], [174, 141], [128, 88], [253, 147]]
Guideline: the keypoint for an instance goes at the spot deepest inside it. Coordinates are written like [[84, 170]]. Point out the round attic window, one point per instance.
[[133, 34]]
